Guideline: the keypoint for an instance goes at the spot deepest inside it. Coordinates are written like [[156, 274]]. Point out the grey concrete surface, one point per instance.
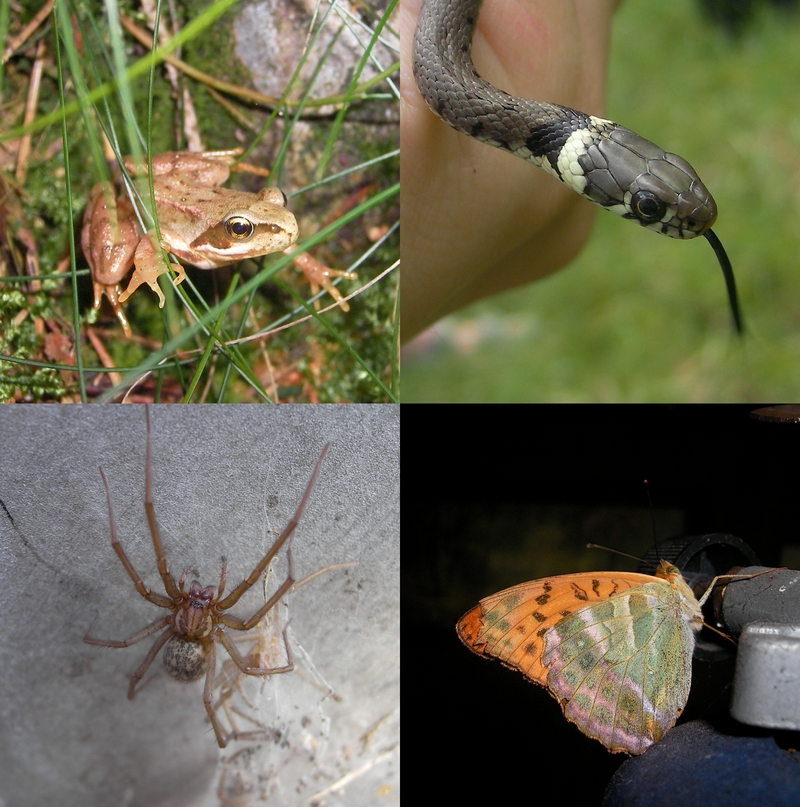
[[226, 479]]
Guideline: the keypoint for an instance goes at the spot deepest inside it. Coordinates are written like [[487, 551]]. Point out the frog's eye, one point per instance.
[[239, 228]]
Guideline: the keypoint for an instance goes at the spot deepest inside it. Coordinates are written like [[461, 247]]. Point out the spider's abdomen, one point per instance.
[[185, 659]]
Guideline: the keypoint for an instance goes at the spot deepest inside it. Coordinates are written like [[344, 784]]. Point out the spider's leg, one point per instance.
[[154, 597], [245, 624], [208, 699], [157, 645], [221, 586], [239, 661], [234, 596], [324, 570], [169, 581], [182, 578], [160, 623], [261, 735], [228, 683]]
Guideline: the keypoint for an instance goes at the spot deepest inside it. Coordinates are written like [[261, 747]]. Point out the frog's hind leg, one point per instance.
[[149, 265], [318, 274]]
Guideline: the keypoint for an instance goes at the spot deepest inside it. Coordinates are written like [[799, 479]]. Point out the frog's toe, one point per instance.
[[180, 272], [134, 284], [152, 281], [114, 298], [139, 277], [100, 290]]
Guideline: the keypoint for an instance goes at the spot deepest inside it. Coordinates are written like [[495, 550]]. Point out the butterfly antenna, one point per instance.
[[615, 551]]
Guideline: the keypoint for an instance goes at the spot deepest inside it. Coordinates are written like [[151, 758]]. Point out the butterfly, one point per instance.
[[614, 648]]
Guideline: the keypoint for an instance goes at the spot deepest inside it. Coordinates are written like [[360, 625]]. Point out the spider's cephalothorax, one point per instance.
[[195, 615], [197, 618]]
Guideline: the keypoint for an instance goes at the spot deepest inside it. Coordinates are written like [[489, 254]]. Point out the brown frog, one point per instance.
[[203, 224]]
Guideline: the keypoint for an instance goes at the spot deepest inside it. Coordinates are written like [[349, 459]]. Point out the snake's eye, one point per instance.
[[239, 228], [647, 207]]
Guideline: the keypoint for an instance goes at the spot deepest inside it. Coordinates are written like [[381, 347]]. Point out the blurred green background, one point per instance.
[[638, 317]]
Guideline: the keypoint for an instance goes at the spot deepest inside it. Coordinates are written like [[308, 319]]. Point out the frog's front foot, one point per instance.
[[318, 275], [149, 265], [112, 293]]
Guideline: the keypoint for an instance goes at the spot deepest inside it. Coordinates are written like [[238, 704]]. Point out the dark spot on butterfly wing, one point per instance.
[[578, 592]]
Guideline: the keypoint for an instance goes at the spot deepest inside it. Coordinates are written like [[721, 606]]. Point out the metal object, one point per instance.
[[766, 688]]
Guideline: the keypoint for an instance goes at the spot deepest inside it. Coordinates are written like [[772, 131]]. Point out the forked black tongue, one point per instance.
[[730, 283]]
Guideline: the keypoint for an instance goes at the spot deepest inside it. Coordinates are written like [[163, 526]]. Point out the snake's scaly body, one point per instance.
[[603, 161]]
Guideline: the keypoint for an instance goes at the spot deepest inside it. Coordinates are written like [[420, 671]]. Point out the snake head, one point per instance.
[[637, 180]]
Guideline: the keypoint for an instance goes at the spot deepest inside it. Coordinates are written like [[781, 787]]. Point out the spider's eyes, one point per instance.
[[200, 597]]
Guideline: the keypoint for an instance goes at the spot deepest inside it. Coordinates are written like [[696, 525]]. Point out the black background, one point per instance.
[[478, 479]]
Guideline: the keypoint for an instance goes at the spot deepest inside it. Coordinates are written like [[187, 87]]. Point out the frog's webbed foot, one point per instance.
[[150, 275], [318, 275], [149, 265], [112, 293]]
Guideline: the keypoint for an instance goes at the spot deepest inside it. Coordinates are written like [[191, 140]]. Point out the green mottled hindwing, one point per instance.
[[622, 666]]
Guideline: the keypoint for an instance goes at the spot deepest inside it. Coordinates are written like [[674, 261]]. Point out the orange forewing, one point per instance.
[[511, 624]]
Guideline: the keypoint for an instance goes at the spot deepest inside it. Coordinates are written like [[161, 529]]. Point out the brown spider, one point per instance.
[[197, 620]]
